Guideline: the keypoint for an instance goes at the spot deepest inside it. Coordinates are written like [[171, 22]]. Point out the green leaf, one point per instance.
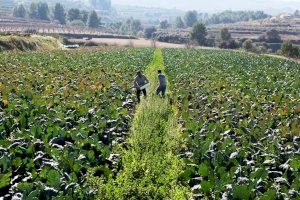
[[5, 180], [203, 170], [206, 186], [53, 179], [241, 192], [269, 195]]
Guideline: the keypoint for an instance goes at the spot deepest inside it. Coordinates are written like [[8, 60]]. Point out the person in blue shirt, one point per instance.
[[162, 84]]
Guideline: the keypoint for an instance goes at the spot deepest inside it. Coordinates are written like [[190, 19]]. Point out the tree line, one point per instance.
[[59, 13], [191, 17]]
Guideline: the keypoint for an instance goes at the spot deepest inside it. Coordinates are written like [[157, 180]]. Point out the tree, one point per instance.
[[33, 11], [59, 13], [248, 45], [199, 33], [288, 49], [43, 11], [271, 36], [225, 34], [84, 16], [74, 14], [136, 26], [297, 13], [94, 20], [19, 11], [179, 23], [190, 18], [164, 24], [148, 32]]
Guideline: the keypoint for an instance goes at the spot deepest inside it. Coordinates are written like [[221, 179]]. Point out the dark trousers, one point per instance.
[[162, 90], [138, 94]]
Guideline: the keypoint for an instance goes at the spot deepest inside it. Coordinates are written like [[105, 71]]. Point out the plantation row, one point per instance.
[[240, 118], [60, 115]]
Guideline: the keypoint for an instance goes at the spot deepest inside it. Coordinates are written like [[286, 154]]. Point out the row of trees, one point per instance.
[[43, 12], [191, 17]]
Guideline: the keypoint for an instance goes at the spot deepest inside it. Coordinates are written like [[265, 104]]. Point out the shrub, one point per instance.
[[248, 45], [289, 50], [148, 32]]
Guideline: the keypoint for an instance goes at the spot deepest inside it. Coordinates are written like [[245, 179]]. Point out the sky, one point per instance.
[[215, 5]]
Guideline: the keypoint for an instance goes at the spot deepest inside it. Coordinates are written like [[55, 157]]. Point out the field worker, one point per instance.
[[162, 84], [140, 81]]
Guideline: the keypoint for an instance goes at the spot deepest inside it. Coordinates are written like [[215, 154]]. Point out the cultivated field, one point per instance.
[[70, 127]]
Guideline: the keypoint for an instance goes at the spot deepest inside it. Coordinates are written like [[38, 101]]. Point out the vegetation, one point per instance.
[[149, 31], [30, 43], [271, 36], [290, 50], [61, 113], [60, 13], [179, 23], [190, 18], [150, 166], [94, 20], [164, 24], [19, 11], [240, 117], [199, 33], [233, 16]]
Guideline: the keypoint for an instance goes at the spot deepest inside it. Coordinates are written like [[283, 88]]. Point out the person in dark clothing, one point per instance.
[[162, 84], [140, 81]]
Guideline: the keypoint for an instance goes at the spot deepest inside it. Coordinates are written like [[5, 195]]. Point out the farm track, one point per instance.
[[150, 165]]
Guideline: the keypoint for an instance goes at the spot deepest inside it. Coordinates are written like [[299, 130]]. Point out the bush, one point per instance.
[[248, 45], [289, 50], [148, 32], [171, 37], [231, 44]]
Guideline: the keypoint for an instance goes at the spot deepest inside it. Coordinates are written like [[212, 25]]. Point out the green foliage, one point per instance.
[[59, 13], [248, 45], [43, 11], [33, 10], [289, 50], [150, 166], [225, 34], [131, 27], [67, 111], [199, 33], [20, 11], [227, 101], [229, 16], [149, 31], [179, 23], [94, 20], [271, 36], [164, 24], [190, 18], [74, 14]]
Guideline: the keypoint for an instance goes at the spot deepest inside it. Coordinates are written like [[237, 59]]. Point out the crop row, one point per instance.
[[240, 117], [60, 115]]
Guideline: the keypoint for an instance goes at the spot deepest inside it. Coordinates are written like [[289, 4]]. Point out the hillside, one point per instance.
[[287, 25], [29, 43]]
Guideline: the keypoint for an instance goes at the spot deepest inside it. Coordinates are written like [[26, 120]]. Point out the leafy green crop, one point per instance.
[[60, 115], [240, 115]]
